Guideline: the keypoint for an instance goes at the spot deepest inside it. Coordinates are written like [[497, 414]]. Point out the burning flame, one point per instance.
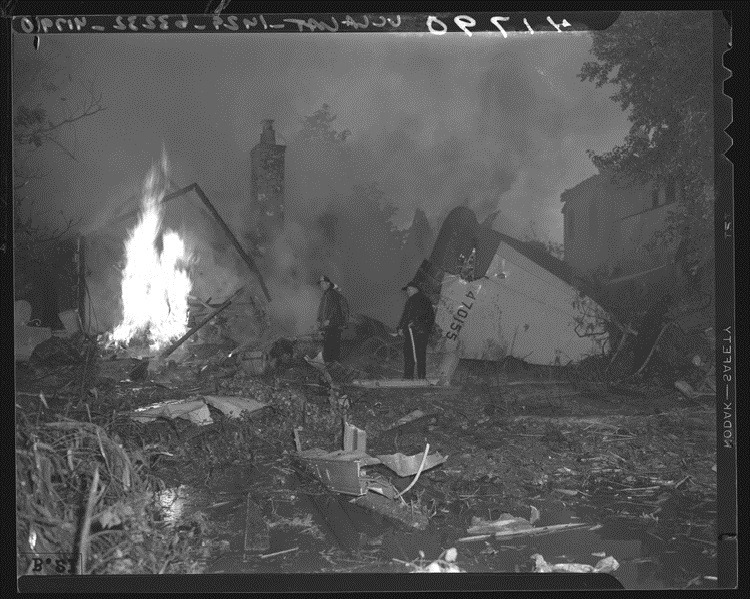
[[155, 285]]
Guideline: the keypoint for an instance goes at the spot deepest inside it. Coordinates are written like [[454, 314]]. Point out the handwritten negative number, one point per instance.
[[465, 22]]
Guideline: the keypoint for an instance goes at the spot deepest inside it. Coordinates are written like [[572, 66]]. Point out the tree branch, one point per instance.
[[62, 147]]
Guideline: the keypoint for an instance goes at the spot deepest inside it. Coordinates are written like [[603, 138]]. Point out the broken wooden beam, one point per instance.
[[394, 383], [164, 200], [247, 259], [541, 530], [536, 382], [167, 352]]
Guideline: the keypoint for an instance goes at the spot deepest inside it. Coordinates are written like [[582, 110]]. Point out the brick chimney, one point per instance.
[[268, 137], [267, 184]]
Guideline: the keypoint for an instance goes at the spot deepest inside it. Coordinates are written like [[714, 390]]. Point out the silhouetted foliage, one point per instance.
[[41, 81], [319, 126], [662, 64]]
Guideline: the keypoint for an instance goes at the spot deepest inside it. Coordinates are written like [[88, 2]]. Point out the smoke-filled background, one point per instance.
[[433, 122]]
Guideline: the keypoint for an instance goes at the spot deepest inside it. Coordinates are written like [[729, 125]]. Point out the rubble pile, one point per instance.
[[474, 463]]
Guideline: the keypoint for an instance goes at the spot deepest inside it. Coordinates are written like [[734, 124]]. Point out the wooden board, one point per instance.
[[394, 383]]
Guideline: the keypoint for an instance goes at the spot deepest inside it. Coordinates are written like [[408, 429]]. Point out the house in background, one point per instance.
[[607, 227]]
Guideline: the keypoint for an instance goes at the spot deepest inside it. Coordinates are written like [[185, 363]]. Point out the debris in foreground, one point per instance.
[[411, 518], [256, 529], [410, 417], [124, 369], [285, 551], [394, 383], [355, 439], [604, 566], [404, 465], [233, 406], [196, 410], [446, 563], [687, 390], [170, 350], [508, 526], [342, 472]]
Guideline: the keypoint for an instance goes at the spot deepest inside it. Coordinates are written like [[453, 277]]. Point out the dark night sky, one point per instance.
[[502, 123]]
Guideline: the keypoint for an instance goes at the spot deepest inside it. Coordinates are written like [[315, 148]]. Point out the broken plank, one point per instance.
[[393, 510], [167, 352], [394, 383], [279, 553], [256, 529], [505, 525], [540, 530], [240, 250], [509, 534], [474, 538], [536, 382]]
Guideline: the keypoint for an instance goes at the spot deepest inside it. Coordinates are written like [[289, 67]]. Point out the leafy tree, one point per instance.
[[45, 114], [661, 63], [47, 108], [319, 126]]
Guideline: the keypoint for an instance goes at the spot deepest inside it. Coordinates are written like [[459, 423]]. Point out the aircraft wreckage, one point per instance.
[[498, 297]]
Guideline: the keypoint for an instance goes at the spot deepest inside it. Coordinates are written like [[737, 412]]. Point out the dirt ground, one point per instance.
[[637, 465]]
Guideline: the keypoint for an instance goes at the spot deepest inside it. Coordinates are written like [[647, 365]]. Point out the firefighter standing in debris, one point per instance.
[[415, 326], [333, 316]]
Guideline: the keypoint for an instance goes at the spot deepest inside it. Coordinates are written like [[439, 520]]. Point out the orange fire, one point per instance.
[[155, 285]]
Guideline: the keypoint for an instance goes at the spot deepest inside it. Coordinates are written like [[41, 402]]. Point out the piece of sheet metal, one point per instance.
[[340, 470], [234, 406], [404, 465], [191, 409]]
